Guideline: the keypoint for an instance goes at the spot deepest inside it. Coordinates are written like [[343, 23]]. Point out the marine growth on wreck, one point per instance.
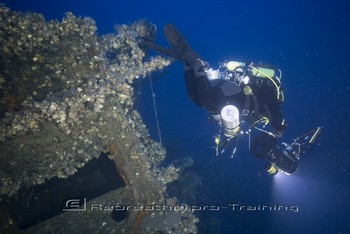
[[66, 95]]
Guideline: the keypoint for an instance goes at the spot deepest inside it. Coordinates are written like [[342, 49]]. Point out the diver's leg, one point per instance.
[[191, 86], [198, 87], [162, 50]]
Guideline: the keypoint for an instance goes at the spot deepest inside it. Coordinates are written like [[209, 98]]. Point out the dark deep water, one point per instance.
[[310, 42]]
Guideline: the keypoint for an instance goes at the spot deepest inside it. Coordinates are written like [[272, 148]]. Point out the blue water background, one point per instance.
[[310, 42]]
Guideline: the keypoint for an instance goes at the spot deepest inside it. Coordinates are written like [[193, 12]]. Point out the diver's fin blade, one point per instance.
[[174, 37], [160, 49], [180, 45]]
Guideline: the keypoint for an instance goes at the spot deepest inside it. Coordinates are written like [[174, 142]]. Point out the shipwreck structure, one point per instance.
[[66, 98]]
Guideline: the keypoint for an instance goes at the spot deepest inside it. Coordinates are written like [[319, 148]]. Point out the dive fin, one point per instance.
[[179, 48], [179, 45]]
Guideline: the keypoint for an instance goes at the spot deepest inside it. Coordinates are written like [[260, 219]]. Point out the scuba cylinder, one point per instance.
[[257, 71], [233, 65], [263, 72], [260, 72]]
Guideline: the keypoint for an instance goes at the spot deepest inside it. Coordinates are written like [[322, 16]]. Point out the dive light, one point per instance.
[[230, 120], [271, 168]]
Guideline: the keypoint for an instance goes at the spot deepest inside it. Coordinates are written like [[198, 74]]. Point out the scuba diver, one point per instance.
[[235, 94]]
